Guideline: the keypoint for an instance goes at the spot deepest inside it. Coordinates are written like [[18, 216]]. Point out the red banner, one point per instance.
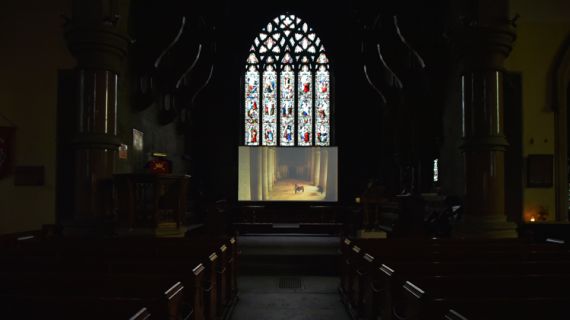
[[6, 150]]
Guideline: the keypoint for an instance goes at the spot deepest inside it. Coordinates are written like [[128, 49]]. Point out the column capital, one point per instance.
[[96, 34], [99, 47], [483, 47], [483, 33]]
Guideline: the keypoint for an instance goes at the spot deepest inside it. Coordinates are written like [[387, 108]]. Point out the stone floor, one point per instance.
[[314, 298], [288, 277]]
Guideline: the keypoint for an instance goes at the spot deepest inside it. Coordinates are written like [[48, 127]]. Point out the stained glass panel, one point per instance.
[[252, 59], [322, 105], [286, 114], [269, 107], [305, 108], [252, 107]]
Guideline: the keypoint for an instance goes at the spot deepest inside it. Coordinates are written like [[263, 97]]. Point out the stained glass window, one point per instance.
[[287, 71]]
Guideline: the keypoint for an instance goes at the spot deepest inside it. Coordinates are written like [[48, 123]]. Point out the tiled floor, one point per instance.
[[261, 298]]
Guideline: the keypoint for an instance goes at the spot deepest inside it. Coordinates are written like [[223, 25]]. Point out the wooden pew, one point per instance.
[[191, 274], [71, 308], [345, 266], [227, 272], [358, 267], [223, 271], [359, 261], [160, 295], [432, 297], [233, 264], [186, 268], [104, 253], [405, 248], [10, 238], [382, 251], [530, 308], [386, 283]]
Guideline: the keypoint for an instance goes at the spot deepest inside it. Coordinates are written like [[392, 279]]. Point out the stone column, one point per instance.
[[271, 169], [97, 36], [257, 181], [244, 187], [277, 173], [317, 167], [332, 176], [259, 170], [485, 40], [324, 169], [265, 172], [312, 165]]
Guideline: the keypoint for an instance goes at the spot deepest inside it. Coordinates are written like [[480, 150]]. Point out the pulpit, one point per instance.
[[146, 199], [373, 199]]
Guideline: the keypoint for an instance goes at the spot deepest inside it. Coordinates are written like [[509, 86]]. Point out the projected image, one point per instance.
[[288, 174]]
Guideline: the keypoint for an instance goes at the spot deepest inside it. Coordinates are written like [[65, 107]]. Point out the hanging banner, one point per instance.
[[6, 150]]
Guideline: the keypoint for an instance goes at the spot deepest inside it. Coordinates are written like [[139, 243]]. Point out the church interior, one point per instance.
[[285, 160]]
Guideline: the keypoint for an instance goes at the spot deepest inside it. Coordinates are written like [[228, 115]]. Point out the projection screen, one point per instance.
[[288, 174]]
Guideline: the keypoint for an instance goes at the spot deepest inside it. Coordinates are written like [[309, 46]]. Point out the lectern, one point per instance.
[[146, 199]]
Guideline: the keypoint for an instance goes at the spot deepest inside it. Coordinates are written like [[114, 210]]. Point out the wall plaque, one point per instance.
[[29, 176], [540, 171]]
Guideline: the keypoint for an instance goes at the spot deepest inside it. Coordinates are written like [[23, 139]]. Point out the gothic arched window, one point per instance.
[[287, 87]]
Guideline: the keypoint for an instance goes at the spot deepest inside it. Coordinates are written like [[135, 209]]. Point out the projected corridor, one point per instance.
[[287, 174]]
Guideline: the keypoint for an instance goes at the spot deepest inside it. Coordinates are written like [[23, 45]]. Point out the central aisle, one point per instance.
[[289, 277], [311, 298]]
